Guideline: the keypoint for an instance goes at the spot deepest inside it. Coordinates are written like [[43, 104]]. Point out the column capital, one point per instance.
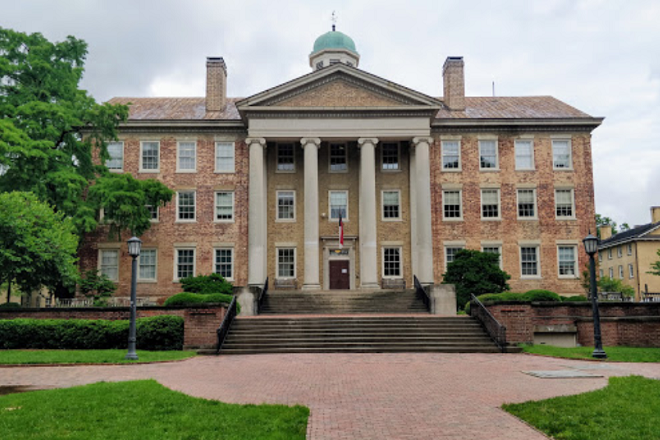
[[260, 141], [372, 141], [306, 141], [424, 139]]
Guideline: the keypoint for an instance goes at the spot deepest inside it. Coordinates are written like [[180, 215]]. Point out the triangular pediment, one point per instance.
[[339, 92]]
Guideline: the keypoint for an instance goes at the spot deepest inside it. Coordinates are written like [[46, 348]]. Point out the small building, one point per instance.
[[628, 255]]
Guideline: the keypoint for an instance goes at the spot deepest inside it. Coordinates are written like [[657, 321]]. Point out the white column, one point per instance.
[[413, 210], [423, 214], [368, 235], [257, 213], [311, 219]]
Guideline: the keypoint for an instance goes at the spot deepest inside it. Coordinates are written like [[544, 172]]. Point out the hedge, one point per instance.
[[155, 333], [10, 305], [207, 284], [196, 299]]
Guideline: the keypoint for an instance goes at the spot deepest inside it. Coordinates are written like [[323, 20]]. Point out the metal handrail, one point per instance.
[[225, 324], [262, 295], [495, 329], [421, 292]]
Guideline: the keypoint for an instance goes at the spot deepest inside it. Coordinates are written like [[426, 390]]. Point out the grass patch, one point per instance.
[[620, 354], [87, 356], [628, 408], [142, 410]]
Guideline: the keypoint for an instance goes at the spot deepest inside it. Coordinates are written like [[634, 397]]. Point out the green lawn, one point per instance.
[[627, 409], [142, 410], [86, 356], [620, 354]]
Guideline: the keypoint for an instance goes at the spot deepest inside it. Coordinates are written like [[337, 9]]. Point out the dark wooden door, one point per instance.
[[340, 275]]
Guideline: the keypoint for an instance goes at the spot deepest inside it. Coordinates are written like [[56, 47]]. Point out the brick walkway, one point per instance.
[[364, 396]]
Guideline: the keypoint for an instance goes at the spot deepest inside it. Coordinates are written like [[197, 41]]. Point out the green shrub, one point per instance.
[[196, 299], [10, 305], [206, 284], [97, 286], [504, 296], [575, 298], [609, 285], [155, 333], [541, 295]]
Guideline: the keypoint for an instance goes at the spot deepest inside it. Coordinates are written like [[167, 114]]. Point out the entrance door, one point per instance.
[[339, 274]]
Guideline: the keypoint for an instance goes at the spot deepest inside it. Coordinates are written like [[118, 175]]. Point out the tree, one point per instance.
[[655, 267], [607, 221], [613, 285], [37, 245], [97, 286], [475, 272]]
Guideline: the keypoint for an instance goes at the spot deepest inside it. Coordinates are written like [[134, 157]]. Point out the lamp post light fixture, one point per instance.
[[591, 247], [134, 245]]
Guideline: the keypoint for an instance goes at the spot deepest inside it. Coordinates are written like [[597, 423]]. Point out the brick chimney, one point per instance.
[[605, 232], [454, 83], [216, 84], [655, 214]]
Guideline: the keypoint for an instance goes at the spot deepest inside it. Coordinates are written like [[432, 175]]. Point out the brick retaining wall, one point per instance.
[[199, 328], [622, 323]]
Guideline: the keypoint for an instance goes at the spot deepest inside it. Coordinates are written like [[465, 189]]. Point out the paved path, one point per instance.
[[364, 396]]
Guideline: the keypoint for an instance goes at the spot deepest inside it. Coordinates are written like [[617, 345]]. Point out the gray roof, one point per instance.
[[630, 235]]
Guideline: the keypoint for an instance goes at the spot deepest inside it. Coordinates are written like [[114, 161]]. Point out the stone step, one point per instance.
[[490, 348]]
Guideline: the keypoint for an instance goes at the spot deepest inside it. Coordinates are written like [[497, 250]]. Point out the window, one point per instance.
[[451, 204], [286, 205], [488, 154], [224, 206], [600, 257], [620, 272], [629, 249], [338, 161], [319, 65], [150, 156], [338, 205], [526, 203], [390, 153], [600, 273], [567, 261], [153, 212], [147, 265], [619, 252], [524, 155], [109, 263], [490, 203], [450, 254], [224, 263], [185, 263], [392, 262], [116, 152], [451, 155], [529, 261], [611, 271], [286, 262], [561, 155], [491, 249], [631, 271], [391, 205], [564, 203], [609, 254], [224, 157], [186, 156], [286, 161], [185, 203]]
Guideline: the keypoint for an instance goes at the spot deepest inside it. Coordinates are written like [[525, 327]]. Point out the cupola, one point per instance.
[[331, 48]]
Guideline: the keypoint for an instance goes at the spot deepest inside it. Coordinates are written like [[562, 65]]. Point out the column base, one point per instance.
[[311, 287]]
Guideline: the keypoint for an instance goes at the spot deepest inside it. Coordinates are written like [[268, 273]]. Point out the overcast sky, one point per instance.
[[601, 56]]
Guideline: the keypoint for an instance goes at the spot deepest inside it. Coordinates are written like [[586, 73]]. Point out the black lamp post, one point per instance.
[[591, 246], [134, 245]]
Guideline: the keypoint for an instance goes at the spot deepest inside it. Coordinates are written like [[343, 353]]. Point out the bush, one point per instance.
[[98, 286], [541, 295], [206, 284], [196, 299], [155, 333], [504, 296], [11, 305], [611, 285], [575, 298]]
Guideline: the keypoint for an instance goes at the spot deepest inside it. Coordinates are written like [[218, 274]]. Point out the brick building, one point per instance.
[[261, 182]]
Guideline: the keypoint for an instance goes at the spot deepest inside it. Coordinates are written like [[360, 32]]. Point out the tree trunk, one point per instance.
[[9, 290]]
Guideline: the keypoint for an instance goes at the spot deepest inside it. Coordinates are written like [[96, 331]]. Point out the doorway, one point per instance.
[[340, 274]]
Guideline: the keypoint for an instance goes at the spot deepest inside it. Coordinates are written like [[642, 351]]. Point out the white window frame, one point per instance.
[[178, 157], [382, 157], [330, 156], [141, 279], [570, 155], [392, 277], [232, 145], [567, 217], [621, 275], [215, 206], [277, 159], [451, 246], [538, 261], [611, 272], [494, 246], [515, 154], [629, 249], [152, 219], [336, 219], [113, 170], [575, 269], [499, 205], [382, 205], [176, 260], [180, 220], [600, 273], [619, 251], [150, 170], [631, 271], [232, 264], [497, 155], [277, 262], [600, 256], [100, 261], [443, 154], [460, 205], [536, 209], [609, 254], [277, 206]]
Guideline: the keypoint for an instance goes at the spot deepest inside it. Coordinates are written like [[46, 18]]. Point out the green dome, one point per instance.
[[334, 40]]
